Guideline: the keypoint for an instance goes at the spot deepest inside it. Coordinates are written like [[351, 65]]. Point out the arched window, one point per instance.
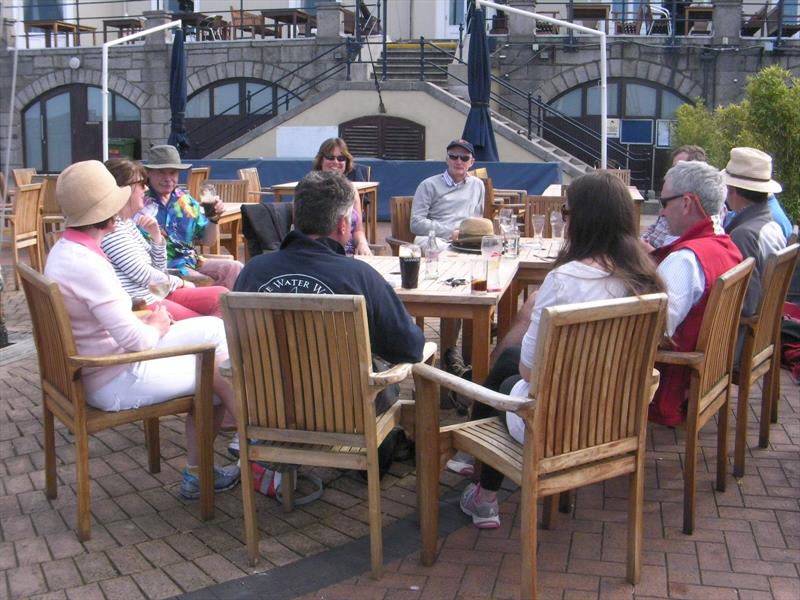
[[636, 100], [64, 125], [224, 110]]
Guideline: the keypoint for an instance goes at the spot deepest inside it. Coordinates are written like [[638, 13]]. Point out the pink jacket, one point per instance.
[[98, 307]]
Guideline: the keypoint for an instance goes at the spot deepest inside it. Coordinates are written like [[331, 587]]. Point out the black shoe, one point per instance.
[[454, 363]]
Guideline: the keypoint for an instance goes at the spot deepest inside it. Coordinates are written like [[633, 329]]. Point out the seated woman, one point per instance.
[[137, 261], [103, 323], [182, 220], [602, 258], [333, 156]]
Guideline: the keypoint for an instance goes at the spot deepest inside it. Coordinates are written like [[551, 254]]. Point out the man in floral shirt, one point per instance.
[[183, 221]]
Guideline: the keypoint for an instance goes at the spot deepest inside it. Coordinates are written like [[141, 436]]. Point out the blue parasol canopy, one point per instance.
[[478, 128], [177, 95]]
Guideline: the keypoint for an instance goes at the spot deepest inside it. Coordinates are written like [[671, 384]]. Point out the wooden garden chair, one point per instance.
[[255, 193], [52, 218], [302, 373], [585, 419], [23, 176], [623, 174], [400, 210], [25, 224], [711, 367], [761, 353], [63, 396], [541, 205], [195, 179]]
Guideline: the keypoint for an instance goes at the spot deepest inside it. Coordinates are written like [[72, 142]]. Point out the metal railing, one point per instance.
[[534, 113]]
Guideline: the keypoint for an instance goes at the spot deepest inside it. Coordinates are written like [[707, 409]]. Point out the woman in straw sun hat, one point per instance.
[[103, 323]]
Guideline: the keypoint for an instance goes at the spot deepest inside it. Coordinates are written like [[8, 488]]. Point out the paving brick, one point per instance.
[[121, 587], [26, 580], [64, 544], [86, 592], [60, 574], [94, 566], [159, 553], [218, 568], [155, 584], [127, 560], [31, 550], [187, 545], [188, 576]]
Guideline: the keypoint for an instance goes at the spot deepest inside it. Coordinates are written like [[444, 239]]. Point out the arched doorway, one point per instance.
[[64, 125]]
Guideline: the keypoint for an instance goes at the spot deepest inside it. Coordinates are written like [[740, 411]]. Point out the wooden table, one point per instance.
[[52, 28], [292, 18], [434, 298], [125, 25], [233, 215], [554, 189], [367, 190]]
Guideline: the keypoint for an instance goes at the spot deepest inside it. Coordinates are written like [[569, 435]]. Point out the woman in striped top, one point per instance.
[[137, 250]]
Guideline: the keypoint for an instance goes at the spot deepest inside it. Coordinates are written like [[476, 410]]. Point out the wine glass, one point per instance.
[[159, 285], [537, 221], [491, 251]]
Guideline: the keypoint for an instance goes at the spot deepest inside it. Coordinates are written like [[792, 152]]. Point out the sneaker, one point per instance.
[[462, 463], [225, 478], [485, 515], [233, 445]]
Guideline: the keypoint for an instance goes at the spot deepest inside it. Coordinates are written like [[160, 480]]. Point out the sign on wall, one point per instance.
[[636, 131]]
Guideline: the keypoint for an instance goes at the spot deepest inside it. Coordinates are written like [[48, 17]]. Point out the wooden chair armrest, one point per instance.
[[428, 351], [222, 256], [377, 249], [263, 192], [395, 374], [395, 244], [684, 359], [473, 391], [131, 357], [749, 322]]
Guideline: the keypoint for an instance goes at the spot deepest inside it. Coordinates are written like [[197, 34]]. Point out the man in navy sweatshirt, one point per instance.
[[311, 260]]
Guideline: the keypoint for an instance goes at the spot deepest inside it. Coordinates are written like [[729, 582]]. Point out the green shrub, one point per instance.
[[768, 118]]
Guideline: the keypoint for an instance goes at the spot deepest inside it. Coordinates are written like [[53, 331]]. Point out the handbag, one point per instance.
[[268, 479]]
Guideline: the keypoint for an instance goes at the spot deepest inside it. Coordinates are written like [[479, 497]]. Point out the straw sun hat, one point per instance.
[[472, 230], [87, 193], [750, 169]]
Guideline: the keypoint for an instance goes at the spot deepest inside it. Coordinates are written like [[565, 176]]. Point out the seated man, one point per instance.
[[311, 260], [441, 202], [692, 191], [748, 176], [182, 219]]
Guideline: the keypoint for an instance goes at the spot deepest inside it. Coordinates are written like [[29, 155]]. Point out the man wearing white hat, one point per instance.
[[748, 176]]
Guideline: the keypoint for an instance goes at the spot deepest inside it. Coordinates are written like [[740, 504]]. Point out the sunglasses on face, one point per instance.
[[665, 200], [339, 158], [461, 157], [564, 212]]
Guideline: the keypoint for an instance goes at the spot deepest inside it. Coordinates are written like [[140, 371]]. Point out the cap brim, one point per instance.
[[768, 187], [179, 167], [458, 146]]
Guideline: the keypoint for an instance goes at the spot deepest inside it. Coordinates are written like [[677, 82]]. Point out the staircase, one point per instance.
[[403, 61]]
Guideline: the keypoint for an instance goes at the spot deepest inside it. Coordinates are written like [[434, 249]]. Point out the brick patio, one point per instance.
[[148, 542]]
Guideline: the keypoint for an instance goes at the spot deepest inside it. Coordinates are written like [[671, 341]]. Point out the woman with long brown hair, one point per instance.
[[602, 259]]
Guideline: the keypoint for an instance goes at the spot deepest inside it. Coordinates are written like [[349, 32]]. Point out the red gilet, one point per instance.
[[716, 255]]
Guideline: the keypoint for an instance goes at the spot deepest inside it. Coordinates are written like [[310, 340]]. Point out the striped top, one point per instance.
[[135, 259]]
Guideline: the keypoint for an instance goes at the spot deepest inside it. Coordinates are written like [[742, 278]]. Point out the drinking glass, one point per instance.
[[409, 265], [478, 281], [208, 198], [159, 285], [537, 221], [491, 251], [557, 224]]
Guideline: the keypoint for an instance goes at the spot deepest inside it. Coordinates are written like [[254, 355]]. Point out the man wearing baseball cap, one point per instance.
[[748, 176], [441, 202]]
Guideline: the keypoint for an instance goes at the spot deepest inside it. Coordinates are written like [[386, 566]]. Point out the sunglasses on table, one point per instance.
[[332, 157], [461, 157], [664, 200]]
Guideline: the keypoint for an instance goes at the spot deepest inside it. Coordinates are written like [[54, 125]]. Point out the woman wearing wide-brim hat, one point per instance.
[[182, 219], [103, 323]]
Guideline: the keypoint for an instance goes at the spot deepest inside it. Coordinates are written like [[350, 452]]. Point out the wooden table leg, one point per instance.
[[481, 333], [426, 415]]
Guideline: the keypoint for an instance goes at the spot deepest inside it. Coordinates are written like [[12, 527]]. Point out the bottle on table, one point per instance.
[[432, 256]]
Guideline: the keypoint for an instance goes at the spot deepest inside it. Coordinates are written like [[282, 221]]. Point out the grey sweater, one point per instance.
[[441, 207]]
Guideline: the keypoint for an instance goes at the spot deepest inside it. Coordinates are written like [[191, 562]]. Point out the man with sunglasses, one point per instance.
[[692, 191], [443, 201]]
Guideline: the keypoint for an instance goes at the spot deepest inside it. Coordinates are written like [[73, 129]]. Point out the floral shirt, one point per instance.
[[182, 222]]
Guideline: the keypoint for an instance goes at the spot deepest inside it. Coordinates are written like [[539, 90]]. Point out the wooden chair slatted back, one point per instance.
[[23, 176], [3, 188], [774, 284], [27, 210], [541, 205], [400, 207], [232, 190], [623, 174], [50, 206], [53, 336], [250, 175], [593, 376], [719, 328], [304, 360], [195, 179]]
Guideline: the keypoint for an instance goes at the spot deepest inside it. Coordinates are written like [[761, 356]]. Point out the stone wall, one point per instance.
[[140, 73]]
